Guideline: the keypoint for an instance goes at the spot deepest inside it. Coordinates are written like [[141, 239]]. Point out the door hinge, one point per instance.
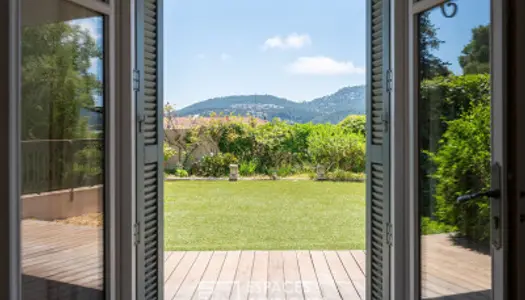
[[141, 119], [386, 120], [136, 234], [388, 234], [136, 80], [389, 80]]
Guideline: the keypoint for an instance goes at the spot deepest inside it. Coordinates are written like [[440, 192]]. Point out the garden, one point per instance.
[[454, 160], [273, 149]]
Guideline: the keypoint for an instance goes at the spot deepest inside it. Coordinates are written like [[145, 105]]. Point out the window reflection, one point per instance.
[[62, 151], [454, 144]]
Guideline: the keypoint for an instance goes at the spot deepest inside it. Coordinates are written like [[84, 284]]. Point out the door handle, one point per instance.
[[490, 194], [495, 204]]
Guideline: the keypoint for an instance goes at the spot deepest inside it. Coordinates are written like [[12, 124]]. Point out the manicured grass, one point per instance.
[[267, 215]]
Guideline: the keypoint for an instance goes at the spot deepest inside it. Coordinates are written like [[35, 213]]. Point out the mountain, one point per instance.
[[328, 109]]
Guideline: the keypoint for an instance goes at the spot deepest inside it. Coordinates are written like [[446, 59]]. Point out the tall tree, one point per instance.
[[57, 86], [475, 58], [430, 65], [56, 80]]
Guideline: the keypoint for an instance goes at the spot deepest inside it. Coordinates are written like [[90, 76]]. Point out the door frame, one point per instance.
[[119, 138], [499, 11]]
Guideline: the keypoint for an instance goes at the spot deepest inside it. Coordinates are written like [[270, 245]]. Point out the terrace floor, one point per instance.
[[64, 262]]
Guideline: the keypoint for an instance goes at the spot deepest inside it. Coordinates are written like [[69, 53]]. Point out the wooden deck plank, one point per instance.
[[171, 264], [276, 276], [292, 278], [243, 276], [346, 287], [172, 285], [210, 276], [224, 285], [194, 277], [311, 289], [354, 272], [360, 258], [324, 276], [69, 257], [258, 283]]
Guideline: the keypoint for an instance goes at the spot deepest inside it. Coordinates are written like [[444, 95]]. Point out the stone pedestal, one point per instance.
[[321, 170], [234, 172]]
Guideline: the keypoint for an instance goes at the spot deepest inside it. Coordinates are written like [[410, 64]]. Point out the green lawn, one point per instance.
[[267, 215]]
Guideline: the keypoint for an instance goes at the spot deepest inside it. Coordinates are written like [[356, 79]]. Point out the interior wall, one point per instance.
[[517, 148]]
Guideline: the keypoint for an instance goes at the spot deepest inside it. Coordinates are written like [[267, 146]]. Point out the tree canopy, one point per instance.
[[56, 81], [475, 57], [430, 65]]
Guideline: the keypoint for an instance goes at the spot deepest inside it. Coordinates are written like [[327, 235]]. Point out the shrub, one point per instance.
[[88, 166], [169, 152], [248, 168], [334, 148], [285, 171], [463, 166], [341, 175], [354, 124], [429, 226], [181, 173], [217, 165]]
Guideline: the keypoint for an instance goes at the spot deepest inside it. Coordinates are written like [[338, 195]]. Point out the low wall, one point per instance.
[[63, 204]]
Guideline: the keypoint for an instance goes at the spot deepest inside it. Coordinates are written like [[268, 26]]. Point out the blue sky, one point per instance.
[[456, 32], [297, 49], [217, 48]]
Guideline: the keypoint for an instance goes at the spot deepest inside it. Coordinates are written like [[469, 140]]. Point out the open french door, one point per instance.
[[458, 156]]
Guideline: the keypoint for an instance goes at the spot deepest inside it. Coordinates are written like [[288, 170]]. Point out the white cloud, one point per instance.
[[292, 41], [225, 56], [201, 56], [322, 65]]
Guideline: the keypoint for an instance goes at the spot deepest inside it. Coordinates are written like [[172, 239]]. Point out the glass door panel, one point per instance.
[[454, 136], [63, 151]]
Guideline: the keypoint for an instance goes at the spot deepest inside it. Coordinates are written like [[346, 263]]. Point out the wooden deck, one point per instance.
[[451, 271], [64, 262], [264, 275], [61, 261]]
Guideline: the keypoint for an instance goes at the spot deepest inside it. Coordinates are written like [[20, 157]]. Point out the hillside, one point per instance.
[[331, 108]]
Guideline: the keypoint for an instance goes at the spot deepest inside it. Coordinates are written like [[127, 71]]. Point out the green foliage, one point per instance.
[[248, 168], [169, 152], [429, 226], [332, 147], [87, 165], [430, 65], [181, 173], [56, 82], [354, 124], [217, 165], [341, 175], [285, 171], [475, 58], [280, 147], [463, 166]]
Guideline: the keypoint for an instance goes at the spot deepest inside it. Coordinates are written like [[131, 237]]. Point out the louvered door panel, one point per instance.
[[378, 152], [149, 151]]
